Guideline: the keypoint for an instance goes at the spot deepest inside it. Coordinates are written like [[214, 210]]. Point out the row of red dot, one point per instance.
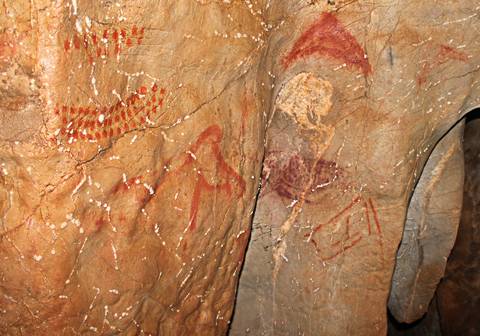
[[118, 118], [120, 37]]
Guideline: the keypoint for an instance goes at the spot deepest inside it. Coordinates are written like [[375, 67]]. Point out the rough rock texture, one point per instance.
[[132, 141], [458, 293], [430, 229], [130, 144], [428, 325], [337, 183]]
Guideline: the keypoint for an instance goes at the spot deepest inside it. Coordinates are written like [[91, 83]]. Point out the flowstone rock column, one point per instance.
[[364, 91]]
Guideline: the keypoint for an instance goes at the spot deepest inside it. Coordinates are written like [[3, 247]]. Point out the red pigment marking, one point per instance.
[[8, 45], [103, 122], [445, 54], [136, 185], [342, 232], [205, 151], [104, 43], [99, 223], [291, 179], [375, 216], [328, 37], [365, 206], [247, 106], [212, 138]]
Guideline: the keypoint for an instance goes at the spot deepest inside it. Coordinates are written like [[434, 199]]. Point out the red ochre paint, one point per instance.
[[289, 180], [212, 138], [353, 232], [206, 148], [83, 122], [99, 223], [328, 37], [112, 43], [445, 54]]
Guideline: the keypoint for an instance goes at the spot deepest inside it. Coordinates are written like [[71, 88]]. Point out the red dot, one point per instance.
[[104, 133], [124, 117], [154, 87], [115, 35], [105, 33], [111, 133], [142, 90], [134, 30], [162, 91], [94, 38], [123, 33], [129, 42], [98, 135]]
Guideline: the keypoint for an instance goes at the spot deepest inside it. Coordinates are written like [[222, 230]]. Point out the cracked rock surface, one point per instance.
[[430, 229], [140, 139]]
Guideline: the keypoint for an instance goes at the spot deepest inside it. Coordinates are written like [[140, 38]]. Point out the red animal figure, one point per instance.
[[227, 180], [203, 162]]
